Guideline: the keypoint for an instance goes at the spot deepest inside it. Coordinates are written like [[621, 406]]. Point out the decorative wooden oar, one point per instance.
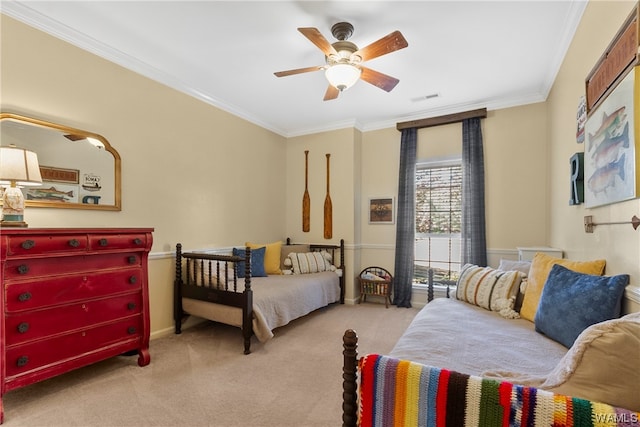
[[306, 200], [328, 215]]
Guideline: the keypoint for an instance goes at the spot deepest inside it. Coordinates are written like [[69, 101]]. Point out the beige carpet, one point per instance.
[[201, 377]]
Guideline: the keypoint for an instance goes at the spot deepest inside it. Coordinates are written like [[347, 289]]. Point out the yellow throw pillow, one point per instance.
[[271, 256], [540, 268]]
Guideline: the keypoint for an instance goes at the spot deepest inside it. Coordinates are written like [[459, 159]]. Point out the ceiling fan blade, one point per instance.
[[331, 93], [376, 78], [318, 39], [387, 44], [298, 71]]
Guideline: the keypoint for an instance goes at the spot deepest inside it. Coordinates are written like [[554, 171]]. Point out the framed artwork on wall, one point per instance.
[[381, 210], [611, 154]]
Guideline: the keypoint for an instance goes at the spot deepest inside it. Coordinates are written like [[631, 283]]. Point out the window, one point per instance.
[[438, 221]]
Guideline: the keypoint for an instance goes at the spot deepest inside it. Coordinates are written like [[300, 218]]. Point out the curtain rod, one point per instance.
[[443, 120]]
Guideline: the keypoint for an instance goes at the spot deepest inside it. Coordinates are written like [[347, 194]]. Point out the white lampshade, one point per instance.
[[343, 76], [19, 166]]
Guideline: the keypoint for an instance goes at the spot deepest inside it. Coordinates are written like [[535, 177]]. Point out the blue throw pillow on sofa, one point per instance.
[[257, 262], [571, 302]]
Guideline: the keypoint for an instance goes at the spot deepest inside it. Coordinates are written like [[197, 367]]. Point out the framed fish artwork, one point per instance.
[[611, 135], [52, 191]]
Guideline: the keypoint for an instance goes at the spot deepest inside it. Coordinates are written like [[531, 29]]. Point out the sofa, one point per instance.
[[543, 340]]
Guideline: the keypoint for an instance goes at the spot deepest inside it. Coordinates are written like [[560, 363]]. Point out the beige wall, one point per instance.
[[342, 145], [206, 178], [516, 175], [515, 153], [618, 244], [365, 165], [196, 174]]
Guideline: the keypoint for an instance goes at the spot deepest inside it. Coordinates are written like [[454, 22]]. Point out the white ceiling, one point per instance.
[[473, 54]]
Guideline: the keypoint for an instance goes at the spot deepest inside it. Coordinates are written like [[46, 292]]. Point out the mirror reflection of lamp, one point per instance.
[[18, 168]]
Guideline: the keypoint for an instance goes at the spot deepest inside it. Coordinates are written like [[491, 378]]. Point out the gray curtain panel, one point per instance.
[[474, 240], [405, 222]]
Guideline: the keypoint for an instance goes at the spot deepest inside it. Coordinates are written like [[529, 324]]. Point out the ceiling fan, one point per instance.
[[344, 59]]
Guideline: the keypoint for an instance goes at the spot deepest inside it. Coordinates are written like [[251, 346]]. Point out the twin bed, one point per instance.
[[207, 285]]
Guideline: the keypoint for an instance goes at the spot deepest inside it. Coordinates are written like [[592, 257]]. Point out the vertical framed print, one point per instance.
[[611, 152]]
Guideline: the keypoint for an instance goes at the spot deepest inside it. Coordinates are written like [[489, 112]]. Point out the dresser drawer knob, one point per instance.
[[23, 269], [131, 330], [137, 241], [25, 296], [103, 242], [28, 244], [23, 327], [22, 361], [133, 280], [132, 259], [74, 243], [131, 306]]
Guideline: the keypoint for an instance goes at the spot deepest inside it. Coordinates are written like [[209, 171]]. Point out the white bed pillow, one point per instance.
[[510, 265], [310, 262]]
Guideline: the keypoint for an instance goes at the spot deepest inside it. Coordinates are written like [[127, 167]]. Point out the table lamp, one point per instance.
[[18, 168]]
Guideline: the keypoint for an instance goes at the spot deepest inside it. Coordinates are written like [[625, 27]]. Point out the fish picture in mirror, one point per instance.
[[610, 153], [58, 185], [59, 193]]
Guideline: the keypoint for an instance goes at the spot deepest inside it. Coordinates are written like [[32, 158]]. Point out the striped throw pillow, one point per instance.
[[488, 288], [309, 262]]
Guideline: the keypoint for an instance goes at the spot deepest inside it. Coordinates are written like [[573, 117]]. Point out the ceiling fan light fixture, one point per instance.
[[342, 76], [343, 59]]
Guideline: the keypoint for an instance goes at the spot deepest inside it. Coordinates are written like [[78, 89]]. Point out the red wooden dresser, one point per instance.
[[70, 297]]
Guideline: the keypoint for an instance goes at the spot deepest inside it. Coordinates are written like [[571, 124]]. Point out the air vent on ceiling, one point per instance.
[[425, 97]]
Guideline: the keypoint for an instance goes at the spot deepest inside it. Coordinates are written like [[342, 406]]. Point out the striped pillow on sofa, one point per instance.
[[489, 288]]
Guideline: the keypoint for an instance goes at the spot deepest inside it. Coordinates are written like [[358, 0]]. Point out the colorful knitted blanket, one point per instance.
[[397, 392]]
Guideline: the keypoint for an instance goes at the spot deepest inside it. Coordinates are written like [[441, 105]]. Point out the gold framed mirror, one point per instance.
[[80, 169]]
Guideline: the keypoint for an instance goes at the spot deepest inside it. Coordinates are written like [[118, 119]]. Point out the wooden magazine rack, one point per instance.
[[375, 281]]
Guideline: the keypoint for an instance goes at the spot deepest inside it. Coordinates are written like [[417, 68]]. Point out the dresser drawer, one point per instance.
[[21, 359], [57, 290], [117, 241], [70, 297], [40, 267], [34, 245], [30, 325]]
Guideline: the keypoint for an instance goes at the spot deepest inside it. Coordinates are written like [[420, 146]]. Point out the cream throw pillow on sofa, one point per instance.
[[286, 250], [489, 288], [603, 364], [540, 268]]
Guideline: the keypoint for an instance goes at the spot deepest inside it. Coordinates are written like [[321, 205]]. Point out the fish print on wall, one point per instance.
[[610, 156]]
